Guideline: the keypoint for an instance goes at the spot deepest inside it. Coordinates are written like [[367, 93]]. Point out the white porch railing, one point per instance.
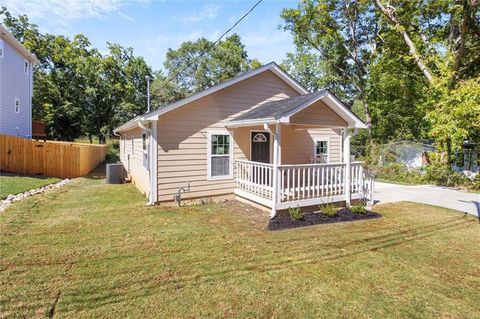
[[255, 178], [301, 185]]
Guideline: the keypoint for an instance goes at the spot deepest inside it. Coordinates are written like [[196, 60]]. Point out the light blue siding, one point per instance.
[[15, 84]]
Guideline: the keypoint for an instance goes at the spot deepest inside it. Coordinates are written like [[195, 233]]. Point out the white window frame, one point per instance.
[[145, 150], [26, 66], [17, 102], [209, 154], [321, 139], [2, 49]]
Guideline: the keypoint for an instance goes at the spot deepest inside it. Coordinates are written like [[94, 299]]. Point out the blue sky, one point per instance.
[[150, 27]]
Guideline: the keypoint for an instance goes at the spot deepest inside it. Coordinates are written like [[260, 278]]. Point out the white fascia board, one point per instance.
[[287, 78], [339, 108], [32, 58], [331, 101]]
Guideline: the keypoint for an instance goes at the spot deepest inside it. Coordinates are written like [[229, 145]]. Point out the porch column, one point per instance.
[[346, 158], [276, 157]]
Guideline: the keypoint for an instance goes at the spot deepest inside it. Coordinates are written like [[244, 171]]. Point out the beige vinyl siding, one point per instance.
[[182, 135], [134, 165], [318, 114]]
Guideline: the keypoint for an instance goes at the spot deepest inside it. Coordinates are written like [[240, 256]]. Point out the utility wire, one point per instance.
[[214, 43]]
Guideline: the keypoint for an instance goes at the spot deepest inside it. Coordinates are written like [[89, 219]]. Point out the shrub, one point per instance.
[[329, 210], [441, 174], [358, 209], [397, 172], [295, 213]]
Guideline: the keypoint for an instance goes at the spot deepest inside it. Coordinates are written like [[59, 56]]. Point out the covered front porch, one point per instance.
[[302, 185], [320, 171]]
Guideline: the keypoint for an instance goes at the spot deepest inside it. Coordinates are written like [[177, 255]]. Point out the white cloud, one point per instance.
[[66, 10], [208, 12]]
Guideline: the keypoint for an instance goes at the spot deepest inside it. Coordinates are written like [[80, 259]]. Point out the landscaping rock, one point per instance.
[[18, 197]]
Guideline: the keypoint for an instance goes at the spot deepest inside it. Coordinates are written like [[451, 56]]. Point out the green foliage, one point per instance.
[[398, 172], [328, 209], [357, 50], [198, 65], [455, 114], [358, 209], [79, 91], [295, 213]]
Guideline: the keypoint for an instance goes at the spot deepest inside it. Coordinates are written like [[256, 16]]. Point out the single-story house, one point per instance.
[[16, 86], [262, 137]]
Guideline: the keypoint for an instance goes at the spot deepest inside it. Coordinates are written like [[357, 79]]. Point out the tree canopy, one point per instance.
[[413, 66], [80, 92]]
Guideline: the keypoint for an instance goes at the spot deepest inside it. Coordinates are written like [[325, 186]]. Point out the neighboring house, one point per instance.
[[16, 86], [261, 136]]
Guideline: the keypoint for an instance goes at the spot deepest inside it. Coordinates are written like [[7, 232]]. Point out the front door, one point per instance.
[[260, 147]]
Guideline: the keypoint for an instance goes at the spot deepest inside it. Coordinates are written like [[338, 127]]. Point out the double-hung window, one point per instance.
[[2, 49], [220, 155], [25, 67], [321, 151]]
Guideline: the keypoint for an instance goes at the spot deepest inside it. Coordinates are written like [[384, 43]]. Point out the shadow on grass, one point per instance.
[[160, 279], [4, 173]]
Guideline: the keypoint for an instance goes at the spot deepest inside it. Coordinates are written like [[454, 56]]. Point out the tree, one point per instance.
[[198, 65], [341, 33], [77, 90]]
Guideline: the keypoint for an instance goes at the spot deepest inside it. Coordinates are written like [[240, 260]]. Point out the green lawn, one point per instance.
[[19, 184], [95, 250]]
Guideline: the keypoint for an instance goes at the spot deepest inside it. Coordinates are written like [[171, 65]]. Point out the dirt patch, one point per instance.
[[314, 218], [253, 214]]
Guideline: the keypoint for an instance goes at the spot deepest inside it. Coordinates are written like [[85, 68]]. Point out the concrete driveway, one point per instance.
[[428, 194]]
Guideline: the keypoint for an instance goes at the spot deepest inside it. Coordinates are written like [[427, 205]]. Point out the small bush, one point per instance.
[[329, 210], [358, 209], [295, 213]]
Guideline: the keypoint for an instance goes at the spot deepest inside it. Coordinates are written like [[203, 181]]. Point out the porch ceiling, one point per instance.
[[282, 110]]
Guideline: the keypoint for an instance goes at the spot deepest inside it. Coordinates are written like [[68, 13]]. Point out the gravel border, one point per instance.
[[18, 197]]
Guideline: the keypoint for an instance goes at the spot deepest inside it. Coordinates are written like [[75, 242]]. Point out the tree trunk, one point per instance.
[[408, 41]]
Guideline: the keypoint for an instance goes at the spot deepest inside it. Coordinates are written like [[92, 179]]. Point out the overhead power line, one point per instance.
[[215, 42]]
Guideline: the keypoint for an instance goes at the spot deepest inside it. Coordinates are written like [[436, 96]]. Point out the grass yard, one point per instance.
[[15, 184], [95, 250]]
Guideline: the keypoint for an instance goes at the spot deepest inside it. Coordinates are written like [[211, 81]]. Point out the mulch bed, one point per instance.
[[343, 215]]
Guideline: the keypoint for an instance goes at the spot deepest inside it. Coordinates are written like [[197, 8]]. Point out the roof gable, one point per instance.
[[272, 66], [281, 111], [5, 34], [268, 67]]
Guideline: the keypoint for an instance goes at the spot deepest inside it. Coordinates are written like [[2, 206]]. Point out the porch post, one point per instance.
[[346, 157], [276, 156]]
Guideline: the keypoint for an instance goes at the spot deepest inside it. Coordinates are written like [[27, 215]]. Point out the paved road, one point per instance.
[[427, 194]]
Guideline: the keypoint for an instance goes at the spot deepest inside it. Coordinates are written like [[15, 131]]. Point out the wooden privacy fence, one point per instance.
[[50, 158]]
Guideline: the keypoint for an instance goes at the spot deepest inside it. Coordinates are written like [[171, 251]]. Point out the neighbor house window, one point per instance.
[[220, 157], [321, 151], [145, 149], [2, 49], [25, 67], [17, 105]]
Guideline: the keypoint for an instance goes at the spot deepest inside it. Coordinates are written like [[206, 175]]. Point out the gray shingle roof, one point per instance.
[[278, 109]]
